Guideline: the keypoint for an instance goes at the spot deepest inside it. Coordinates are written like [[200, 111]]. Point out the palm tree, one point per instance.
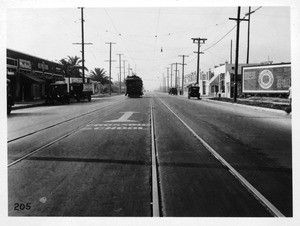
[[72, 67], [75, 66], [99, 74], [66, 67]]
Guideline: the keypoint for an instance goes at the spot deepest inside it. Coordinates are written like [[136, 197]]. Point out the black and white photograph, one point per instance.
[[150, 112]]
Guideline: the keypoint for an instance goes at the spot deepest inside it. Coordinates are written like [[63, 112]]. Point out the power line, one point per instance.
[[156, 33], [120, 35], [220, 38], [230, 30]]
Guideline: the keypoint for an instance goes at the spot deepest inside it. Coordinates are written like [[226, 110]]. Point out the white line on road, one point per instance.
[[270, 207], [155, 198]]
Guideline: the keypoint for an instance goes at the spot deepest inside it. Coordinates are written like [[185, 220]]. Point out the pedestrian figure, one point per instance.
[[289, 108]]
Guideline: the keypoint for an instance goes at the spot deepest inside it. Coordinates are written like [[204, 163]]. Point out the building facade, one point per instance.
[[30, 76], [203, 82], [222, 82]]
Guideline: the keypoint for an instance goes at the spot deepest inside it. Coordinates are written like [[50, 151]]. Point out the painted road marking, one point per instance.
[[119, 125], [111, 126], [125, 117]]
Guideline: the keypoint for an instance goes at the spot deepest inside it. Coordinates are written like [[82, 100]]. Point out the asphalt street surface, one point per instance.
[[158, 155]]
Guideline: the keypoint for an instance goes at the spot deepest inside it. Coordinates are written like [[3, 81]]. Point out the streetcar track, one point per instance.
[[249, 187], [155, 177], [59, 138], [156, 202], [59, 123]]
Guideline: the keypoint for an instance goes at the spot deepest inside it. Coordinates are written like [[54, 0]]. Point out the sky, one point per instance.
[[149, 38]]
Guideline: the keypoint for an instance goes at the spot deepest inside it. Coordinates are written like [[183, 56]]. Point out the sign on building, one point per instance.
[[267, 78], [25, 64]]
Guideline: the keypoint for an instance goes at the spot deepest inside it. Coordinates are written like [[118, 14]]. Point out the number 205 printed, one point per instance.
[[22, 206]]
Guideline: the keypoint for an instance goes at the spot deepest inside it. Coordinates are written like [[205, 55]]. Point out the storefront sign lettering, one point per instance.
[[25, 64]]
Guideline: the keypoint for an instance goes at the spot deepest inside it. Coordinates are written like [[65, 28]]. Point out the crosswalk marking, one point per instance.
[[114, 126]]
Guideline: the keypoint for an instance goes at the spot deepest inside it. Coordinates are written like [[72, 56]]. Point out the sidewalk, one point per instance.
[[248, 103], [36, 103], [28, 104]]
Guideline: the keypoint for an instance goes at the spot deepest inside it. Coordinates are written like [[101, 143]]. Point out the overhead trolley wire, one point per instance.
[[229, 31], [156, 33], [120, 35]]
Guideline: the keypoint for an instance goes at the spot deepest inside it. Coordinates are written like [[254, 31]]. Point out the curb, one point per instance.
[[22, 106], [27, 106], [249, 106]]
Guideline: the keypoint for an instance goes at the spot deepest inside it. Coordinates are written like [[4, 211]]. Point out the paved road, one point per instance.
[[95, 159]]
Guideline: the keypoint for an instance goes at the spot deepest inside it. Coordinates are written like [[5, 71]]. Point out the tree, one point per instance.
[[75, 66], [72, 67], [66, 67], [99, 74]]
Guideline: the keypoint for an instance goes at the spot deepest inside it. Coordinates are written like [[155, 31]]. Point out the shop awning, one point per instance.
[[34, 79]]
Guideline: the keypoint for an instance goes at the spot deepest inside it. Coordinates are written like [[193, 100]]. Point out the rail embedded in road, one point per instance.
[[264, 201]]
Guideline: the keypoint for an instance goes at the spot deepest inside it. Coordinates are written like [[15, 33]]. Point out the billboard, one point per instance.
[[267, 78]]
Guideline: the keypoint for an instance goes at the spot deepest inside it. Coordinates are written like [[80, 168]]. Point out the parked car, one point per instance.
[[173, 91], [58, 93], [193, 91], [10, 99]]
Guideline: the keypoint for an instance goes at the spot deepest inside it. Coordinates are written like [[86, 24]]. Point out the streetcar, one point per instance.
[[134, 86]]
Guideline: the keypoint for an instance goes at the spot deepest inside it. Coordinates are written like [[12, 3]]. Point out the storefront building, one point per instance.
[[203, 82], [222, 83], [30, 76]]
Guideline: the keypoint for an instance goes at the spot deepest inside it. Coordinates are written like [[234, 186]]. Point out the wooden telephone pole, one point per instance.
[[120, 71], [237, 50], [110, 44], [198, 41], [182, 76], [82, 43]]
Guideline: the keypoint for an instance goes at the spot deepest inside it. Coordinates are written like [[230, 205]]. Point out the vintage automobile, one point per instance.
[[81, 91], [193, 91], [58, 93], [173, 91]]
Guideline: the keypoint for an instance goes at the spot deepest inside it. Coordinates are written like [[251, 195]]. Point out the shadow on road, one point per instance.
[[91, 160]]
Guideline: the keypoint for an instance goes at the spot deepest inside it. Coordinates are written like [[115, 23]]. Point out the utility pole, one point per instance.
[[248, 40], [82, 38], [124, 68], [164, 83], [237, 50], [82, 43], [198, 41], [120, 71], [231, 51], [168, 79], [182, 77], [171, 72], [176, 75], [110, 44]]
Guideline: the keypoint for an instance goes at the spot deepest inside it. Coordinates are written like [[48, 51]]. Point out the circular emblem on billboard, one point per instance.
[[265, 79]]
